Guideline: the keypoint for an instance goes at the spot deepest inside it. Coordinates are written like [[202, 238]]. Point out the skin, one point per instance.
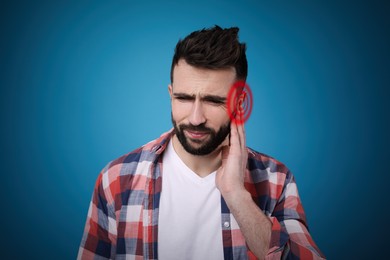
[[198, 97]]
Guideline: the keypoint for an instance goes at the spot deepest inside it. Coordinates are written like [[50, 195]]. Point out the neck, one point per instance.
[[202, 165]]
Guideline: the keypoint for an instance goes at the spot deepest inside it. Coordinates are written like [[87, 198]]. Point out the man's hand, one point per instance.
[[254, 225], [230, 176]]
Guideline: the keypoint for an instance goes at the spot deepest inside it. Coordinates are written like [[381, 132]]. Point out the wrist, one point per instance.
[[237, 198]]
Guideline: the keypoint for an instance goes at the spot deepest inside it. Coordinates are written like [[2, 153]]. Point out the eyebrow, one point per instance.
[[211, 98]]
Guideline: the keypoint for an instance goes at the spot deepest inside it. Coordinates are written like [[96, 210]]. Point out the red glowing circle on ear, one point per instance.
[[239, 102]]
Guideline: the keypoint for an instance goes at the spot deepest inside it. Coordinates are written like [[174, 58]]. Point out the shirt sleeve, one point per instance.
[[290, 238], [100, 233]]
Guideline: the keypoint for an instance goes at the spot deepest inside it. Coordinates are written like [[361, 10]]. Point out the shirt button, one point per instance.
[[226, 224]]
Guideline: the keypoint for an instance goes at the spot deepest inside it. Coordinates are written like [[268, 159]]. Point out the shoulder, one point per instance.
[[264, 162], [137, 161], [267, 179]]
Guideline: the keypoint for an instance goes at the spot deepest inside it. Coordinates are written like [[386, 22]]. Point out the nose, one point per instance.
[[197, 114]]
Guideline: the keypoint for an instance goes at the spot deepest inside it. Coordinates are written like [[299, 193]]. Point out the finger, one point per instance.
[[240, 129], [235, 145], [242, 138], [241, 135], [243, 149]]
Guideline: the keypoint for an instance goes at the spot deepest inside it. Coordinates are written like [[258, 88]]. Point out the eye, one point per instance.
[[214, 102], [184, 99]]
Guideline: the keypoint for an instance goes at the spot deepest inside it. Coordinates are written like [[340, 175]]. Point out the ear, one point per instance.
[[170, 90]]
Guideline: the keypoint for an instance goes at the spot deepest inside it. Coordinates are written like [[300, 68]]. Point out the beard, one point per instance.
[[204, 147]]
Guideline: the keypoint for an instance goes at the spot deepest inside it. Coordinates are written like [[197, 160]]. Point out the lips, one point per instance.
[[196, 134]]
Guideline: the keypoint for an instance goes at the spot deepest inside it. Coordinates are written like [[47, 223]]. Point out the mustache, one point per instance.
[[197, 128]]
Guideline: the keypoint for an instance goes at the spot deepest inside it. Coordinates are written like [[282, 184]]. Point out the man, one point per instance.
[[198, 192]]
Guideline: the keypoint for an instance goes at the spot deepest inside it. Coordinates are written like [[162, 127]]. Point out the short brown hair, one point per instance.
[[213, 48]]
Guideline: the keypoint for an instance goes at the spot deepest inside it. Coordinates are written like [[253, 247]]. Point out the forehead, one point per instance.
[[199, 81]]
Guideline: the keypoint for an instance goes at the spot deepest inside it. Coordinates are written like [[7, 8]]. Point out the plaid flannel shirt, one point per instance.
[[122, 221]]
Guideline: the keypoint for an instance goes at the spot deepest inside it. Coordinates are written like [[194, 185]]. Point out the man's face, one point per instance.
[[198, 99]]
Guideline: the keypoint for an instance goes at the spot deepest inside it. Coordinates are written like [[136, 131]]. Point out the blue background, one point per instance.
[[83, 83]]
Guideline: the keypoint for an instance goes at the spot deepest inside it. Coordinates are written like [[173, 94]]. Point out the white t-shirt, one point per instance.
[[189, 225]]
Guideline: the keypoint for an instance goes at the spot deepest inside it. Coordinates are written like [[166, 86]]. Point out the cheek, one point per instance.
[[180, 110], [218, 116]]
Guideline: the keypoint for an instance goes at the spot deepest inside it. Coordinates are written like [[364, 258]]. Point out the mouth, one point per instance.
[[196, 135]]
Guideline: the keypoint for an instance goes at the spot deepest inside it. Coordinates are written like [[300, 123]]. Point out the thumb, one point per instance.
[[225, 153]]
